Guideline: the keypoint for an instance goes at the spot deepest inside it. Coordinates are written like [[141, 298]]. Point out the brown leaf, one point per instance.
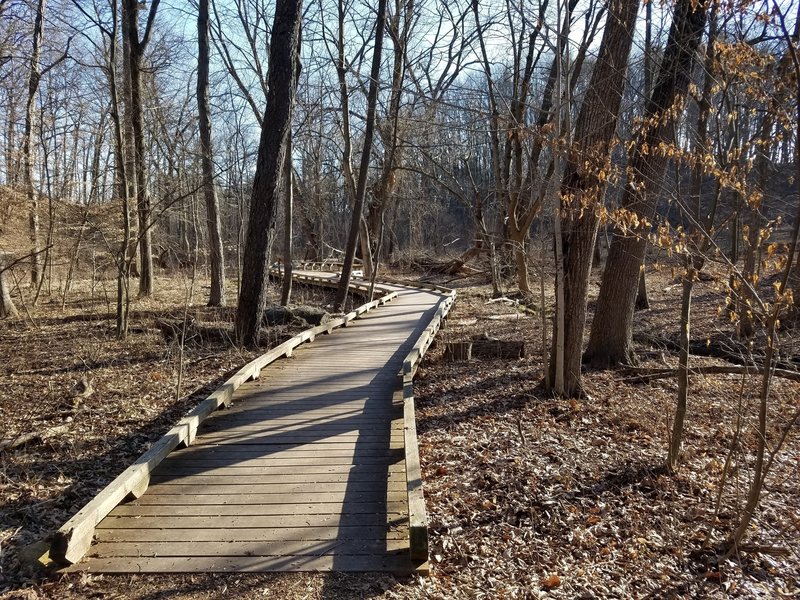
[[551, 581]]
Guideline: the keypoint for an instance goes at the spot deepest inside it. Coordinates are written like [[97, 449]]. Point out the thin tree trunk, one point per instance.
[[136, 49], [216, 295], [288, 202], [7, 308], [689, 277], [27, 146], [361, 189]]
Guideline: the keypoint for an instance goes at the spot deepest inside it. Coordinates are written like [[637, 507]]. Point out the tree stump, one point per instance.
[[458, 351], [7, 308], [487, 347]]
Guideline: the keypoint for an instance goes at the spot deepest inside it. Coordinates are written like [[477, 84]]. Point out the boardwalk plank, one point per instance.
[[373, 478], [280, 522], [257, 548], [348, 487], [400, 564], [277, 499], [274, 534], [199, 510]]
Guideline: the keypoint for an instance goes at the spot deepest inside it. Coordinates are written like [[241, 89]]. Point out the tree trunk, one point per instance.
[[521, 262], [611, 340], [288, 192], [283, 72], [361, 190], [582, 188], [7, 308], [642, 300], [693, 266], [27, 146], [136, 49], [216, 296]]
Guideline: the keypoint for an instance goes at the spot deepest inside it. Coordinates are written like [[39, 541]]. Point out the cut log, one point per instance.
[[458, 351], [486, 347]]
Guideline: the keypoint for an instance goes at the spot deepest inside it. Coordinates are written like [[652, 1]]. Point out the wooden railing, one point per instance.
[[74, 538]]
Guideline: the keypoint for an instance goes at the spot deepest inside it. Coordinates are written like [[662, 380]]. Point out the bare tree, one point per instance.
[[361, 189], [217, 294], [583, 187], [136, 48], [34, 78], [283, 68]]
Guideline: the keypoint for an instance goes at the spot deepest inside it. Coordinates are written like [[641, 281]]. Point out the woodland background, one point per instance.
[[594, 169]]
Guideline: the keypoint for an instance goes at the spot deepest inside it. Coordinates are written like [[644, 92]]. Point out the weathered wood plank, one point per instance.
[[254, 534], [290, 451], [308, 508], [372, 477], [280, 496], [400, 564], [181, 468], [277, 522], [249, 459], [347, 487], [257, 548], [307, 442], [273, 499]]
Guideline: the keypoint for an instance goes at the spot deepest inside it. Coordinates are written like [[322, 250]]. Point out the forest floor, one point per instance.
[[528, 496]]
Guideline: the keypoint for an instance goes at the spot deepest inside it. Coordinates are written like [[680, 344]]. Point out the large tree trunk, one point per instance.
[[361, 189], [27, 146], [582, 188], [283, 71], [611, 340], [217, 260]]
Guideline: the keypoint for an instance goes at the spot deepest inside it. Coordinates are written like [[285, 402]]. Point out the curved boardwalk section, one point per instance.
[[305, 470]]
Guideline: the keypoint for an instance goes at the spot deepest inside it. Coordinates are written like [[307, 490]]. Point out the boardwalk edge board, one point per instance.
[[72, 541], [417, 514]]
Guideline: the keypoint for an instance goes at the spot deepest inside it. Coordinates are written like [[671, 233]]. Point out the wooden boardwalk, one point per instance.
[[305, 471]]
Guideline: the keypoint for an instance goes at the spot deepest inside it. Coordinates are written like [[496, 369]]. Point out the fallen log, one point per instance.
[[24, 438], [647, 374], [173, 329]]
